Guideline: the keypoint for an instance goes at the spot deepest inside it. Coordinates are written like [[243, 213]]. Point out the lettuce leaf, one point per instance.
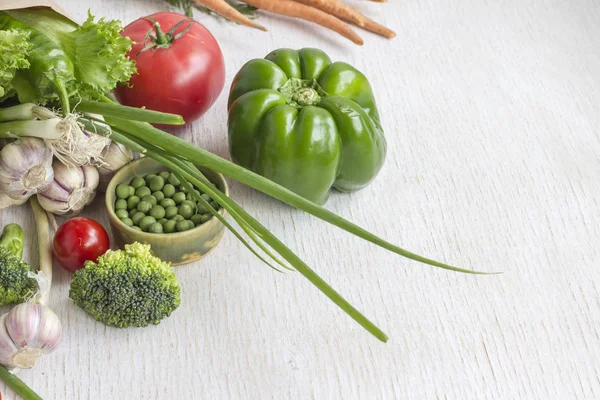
[[99, 54], [14, 46], [96, 49]]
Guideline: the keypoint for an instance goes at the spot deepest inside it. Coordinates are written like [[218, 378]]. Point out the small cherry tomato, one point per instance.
[[180, 66], [79, 240]]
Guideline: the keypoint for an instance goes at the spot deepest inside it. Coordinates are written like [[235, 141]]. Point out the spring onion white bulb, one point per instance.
[[77, 147], [25, 168], [27, 332], [71, 189]]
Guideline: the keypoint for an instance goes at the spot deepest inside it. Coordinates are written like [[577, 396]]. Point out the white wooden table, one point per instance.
[[492, 115]]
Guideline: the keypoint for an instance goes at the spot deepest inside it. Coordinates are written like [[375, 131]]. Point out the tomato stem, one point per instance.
[[161, 38], [164, 40]]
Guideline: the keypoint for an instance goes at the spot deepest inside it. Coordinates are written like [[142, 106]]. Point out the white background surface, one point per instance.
[[492, 115]]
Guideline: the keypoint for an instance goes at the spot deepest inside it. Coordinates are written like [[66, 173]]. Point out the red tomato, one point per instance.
[[79, 240], [183, 76]]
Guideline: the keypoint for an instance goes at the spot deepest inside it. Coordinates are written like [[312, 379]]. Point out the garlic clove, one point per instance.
[[25, 168], [71, 190], [49, 331], [23, 322], [27, 332], [114, 157], [7, 347]]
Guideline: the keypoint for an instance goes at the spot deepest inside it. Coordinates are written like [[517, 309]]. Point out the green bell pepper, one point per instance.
[[305, 123]]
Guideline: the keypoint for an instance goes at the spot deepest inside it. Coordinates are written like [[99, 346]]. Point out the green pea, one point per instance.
[[170, 226], [206, 217], [179, 198], [173, 180], [122, 213], [138, 182], [171, 212], [146, 222], [169, 190], [122, 191], [178, 218], [164, 175], [133, 202], [196, 219], [121, 204], [155, 228], [142, 191], [202, 209], [184, 225], [157, 212], [158, 195], [127, 221], [162, 221], [165, 203], [189, 203], [186, 211], [156, 183], [183, 189], [144, 206], [148, 178], [206, 197], [137, 217], [137, 228], [214, 205], [150, 199]]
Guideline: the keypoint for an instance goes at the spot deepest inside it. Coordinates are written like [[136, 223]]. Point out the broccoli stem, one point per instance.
[[45, 246], [13, 240]]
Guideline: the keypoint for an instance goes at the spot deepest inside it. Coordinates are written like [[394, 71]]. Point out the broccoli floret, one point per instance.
[[15, 284], [128, 287]]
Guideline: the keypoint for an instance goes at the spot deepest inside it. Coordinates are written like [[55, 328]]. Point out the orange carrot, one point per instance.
[[337, 9], [297, 10], [226, 11], [374, 27], [349, 14]]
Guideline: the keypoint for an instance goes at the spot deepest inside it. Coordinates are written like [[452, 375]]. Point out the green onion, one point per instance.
[[25, 111], [174, 146], [132, 113], [181, 158], [45, 129], [20, 388]]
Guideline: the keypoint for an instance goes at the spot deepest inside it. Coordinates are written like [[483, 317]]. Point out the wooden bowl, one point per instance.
[[177, 248]]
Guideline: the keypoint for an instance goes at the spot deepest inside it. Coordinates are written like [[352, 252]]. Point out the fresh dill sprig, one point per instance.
[[188, 8]]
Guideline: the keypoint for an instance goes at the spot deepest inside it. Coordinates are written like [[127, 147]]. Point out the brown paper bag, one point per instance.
[[19, 4]]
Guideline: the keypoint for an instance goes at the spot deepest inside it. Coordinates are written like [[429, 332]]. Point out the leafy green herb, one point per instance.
[[188, 8], [14, 47]]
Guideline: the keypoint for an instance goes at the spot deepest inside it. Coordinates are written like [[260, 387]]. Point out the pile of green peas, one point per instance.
[[158, 203]]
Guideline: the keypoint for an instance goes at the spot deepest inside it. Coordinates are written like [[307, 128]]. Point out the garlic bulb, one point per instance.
[[72, 189], [25, 168], [113, 158], [27, 332]]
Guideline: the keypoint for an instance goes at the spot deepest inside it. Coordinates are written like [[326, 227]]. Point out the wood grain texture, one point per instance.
[[492, 114]]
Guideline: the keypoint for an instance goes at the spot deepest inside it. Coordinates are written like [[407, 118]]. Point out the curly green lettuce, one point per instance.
[[94, 57], [14, 47], [100, 57]]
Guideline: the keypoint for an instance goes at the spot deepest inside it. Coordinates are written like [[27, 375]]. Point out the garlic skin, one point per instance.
[[71, 189], [114, 157], [27, 332], [6, 201], [25, 168]]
